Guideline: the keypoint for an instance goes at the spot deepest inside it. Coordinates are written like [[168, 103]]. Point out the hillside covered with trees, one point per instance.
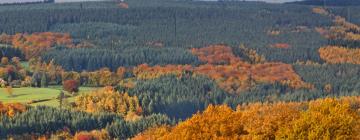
[[166, 69]]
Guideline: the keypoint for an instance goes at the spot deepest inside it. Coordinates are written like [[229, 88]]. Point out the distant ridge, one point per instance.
[[328, 2]]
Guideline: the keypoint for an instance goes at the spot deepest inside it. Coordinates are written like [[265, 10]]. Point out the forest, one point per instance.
[[167, 69]]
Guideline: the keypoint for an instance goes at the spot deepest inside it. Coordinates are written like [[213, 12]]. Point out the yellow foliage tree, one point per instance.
[[153, 133], [263, 121], [325, 119], [336, 55], [320, 119], [216, 122], [109, 100]]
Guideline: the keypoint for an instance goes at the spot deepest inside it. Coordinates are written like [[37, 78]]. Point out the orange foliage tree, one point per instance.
[[320, 119], [263, 121], [216, 54], [325, 119], [92, 135], [341, 29], [219, 122], [280, 45], [71, 86], [233, 75], [144, 71], [11, 109], [336, 55], [321, 11], [33, 45], [153, 133]]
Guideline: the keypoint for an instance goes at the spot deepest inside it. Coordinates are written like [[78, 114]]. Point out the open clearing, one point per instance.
[[26, 95]]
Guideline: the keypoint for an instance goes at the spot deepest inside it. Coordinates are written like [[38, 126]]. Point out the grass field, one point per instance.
[[25, 95]]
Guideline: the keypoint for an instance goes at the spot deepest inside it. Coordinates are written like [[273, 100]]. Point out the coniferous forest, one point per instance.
[[180, 69]]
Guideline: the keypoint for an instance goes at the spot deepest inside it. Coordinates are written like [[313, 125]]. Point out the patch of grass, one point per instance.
[[55, 102], [25, 95]]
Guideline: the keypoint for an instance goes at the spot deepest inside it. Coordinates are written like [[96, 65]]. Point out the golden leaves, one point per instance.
[[145, 72], [321, 11], [33, 45], [216, 54], [154, 133], [216, 122], [336, 55], [319, 119], [109, 100], [325, 119], [11, 109], [341, 30]]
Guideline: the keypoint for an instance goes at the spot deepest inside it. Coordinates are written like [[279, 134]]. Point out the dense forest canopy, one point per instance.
[[179, 69]]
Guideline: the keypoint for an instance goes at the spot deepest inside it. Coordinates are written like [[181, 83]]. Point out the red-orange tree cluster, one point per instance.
[[233, 76], [92, 135], [216, 54], [11, 109], [280, 45], [71, 86], [241, 76], [33, 45]]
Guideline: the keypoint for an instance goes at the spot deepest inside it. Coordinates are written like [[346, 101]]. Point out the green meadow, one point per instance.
[[45, 96]]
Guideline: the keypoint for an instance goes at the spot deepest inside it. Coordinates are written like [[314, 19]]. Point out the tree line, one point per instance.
[[42, 120], [96, 58]]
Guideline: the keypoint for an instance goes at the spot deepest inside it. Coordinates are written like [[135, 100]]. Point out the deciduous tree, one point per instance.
[[71, 86]]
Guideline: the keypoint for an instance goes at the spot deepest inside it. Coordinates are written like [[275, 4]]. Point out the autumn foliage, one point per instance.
[[71, 86], [33, 45], [92, 135], [216, 54], [280, 45], [229, 71], [321, 11], [145, 71], [336, 55], [109, 100], [153, 133], [219, 122], [341, 29], [320, 119], [11, 109]]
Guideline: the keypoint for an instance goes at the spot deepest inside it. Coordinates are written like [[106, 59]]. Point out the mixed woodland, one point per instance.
[[165, 69]]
